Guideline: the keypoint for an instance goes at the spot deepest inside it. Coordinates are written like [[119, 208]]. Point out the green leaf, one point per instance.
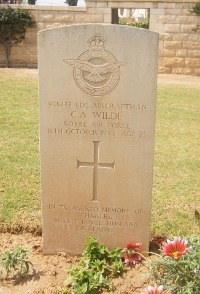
[[97, 265]]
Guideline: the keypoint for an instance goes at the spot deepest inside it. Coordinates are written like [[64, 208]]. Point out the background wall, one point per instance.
[[179, 45]]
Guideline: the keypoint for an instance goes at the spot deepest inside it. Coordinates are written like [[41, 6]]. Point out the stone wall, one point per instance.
[[179, 45]]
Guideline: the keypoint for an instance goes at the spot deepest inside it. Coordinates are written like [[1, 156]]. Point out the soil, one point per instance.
[[48, 272]]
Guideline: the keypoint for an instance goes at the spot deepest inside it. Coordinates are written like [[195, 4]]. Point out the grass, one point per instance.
[[177, 157], [176, 192], [19, 158]]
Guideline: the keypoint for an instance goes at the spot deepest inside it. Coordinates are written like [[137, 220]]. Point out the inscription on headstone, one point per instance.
[[97, 88]]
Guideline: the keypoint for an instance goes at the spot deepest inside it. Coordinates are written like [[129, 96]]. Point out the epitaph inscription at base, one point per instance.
[[97, 87]]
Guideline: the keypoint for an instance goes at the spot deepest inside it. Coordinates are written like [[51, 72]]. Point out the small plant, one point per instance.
[[93, 272], [196, 8], [13, 25], [197, 29], [14, 261], [131, 254], [144, 24], [178, 266]]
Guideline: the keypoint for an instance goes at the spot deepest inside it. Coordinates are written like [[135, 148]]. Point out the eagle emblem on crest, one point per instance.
[[96, 71]]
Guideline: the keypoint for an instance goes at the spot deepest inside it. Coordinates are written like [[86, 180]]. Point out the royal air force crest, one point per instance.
[[96, 71]]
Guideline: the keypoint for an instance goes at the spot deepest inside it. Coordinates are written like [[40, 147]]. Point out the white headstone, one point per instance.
[[97, 87]]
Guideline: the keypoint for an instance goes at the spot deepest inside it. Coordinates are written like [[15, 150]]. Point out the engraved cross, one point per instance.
[[96, 165]]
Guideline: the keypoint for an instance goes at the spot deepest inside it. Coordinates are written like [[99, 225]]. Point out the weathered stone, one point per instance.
[[46, 17], [185, 37], [187, 28], [191, 45], [185, 12], [33, 51], [181, 53], [194, 37], [169, 19], [166, 37], [197, 72], [98, 18], [35, 16], [155, 26], [180, 37], [182, 71], [175, 61], [32, 64], [104, 10], [156, 11], [91, 4], [107, 19], [67, 18], [183, 19], [41, 26], [52, 25], [164, 70], [176, 11], [173, 44], [172, 28], [186, 5], [135, 5], [193, 62], [167, 52], [96, 134], [92, 10], [166, 5], [33, 59], [155, 5], [102, 4], [194, 53], [83, 18]]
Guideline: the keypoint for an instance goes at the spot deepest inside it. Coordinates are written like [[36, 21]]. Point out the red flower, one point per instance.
[[155, 290], [133, 246], [131, 255], [175, 248]]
